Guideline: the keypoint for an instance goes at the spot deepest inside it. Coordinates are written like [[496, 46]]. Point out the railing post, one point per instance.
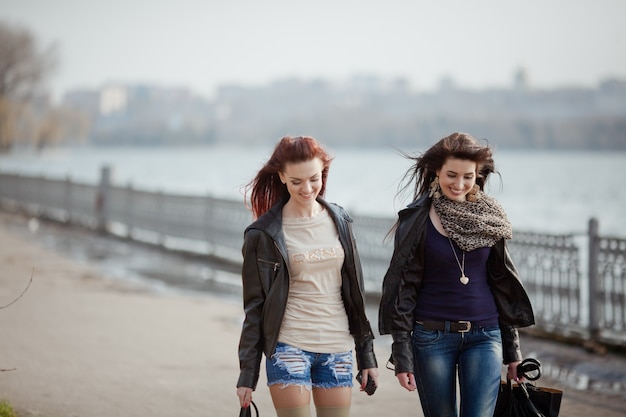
[[102, 197], [129, 218], [594, 317], [162, 235], [69, 196], [209, 235]]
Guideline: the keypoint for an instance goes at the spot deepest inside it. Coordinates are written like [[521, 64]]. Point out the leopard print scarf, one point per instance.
[[476, 224]]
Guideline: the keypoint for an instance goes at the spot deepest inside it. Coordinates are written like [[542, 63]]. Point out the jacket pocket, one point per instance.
[[268, 271], [268, 265]]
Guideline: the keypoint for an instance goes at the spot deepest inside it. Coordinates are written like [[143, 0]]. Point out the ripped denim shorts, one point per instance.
[[293, 366]]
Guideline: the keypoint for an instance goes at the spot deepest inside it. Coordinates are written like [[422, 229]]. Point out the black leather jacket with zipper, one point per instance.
[[265, 278], [402, 282]]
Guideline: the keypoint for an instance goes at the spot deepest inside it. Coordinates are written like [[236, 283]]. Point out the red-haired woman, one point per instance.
[[302, 289]]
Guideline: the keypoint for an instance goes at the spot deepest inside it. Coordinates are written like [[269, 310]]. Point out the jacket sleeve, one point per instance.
[[399, 297], [511, 350], [364, 349], [399, 292], [404, 320], [364, 341], [514, 307], [402, 352], [251, 341]]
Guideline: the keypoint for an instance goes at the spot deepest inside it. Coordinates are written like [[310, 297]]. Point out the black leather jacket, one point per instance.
[[266, 286], [403, 280]]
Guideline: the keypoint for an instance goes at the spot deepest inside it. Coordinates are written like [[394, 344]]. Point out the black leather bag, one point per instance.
[[546, 400], [526, 399], [247, 412]]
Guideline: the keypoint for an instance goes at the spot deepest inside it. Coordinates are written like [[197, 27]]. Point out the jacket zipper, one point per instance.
[[282, 254], [276, 265]]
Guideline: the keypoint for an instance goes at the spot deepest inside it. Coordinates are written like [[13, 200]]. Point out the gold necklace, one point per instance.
[[464, 280]]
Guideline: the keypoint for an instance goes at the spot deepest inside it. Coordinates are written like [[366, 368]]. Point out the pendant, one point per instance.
[[464, 280]]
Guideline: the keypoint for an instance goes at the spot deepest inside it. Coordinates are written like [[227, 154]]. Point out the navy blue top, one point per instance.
[[443, 296]]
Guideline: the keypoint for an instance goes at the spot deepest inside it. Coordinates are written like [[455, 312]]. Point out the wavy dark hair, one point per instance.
[[456, 145], [424, 169], [266, 189]]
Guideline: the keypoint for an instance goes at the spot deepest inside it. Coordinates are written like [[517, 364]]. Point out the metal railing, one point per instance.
[[577, 283]]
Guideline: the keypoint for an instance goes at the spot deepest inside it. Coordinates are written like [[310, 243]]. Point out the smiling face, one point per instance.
[[303, 181], [457, 177]]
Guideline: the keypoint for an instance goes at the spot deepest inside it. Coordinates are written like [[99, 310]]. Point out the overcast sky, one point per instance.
[[200, 44]]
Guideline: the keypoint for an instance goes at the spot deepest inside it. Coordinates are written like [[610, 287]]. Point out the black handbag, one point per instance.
[[247, 412], [526, 399]]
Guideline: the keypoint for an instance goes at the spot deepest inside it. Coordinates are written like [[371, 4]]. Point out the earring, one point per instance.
[[434, 188], [472, 196]]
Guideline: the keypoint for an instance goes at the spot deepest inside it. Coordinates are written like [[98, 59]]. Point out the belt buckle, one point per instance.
[[468, 326]]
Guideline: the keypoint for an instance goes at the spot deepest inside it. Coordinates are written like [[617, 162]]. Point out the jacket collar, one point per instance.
[[271, 221], [422, 203]]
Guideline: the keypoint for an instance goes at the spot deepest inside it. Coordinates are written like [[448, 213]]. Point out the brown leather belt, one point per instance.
[[454, 326]]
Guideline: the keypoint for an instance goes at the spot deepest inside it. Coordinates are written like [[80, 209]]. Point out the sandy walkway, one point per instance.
[[83, 345]]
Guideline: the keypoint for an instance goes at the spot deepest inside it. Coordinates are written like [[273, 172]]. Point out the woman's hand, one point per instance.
[[407, 380], [367, 374], [245, 396], [512, 372]]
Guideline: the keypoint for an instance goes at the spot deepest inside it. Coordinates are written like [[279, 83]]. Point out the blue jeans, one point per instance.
[[290, 365], [477, 355]]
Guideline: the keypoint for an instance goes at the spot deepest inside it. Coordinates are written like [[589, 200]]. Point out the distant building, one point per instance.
[[364, 111], [113, 99], [86, 100]]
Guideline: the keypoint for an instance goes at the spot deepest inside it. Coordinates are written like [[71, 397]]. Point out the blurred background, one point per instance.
[[524, 74], [191, 95]]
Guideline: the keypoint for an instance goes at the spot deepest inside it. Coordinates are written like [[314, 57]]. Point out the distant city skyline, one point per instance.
[[201, 45]]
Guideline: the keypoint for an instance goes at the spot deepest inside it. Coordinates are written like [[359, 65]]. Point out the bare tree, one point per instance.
[[23, 68], [60, 123]]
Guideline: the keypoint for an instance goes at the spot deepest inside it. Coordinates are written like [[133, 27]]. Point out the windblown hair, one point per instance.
[[266, 189], [457, 145]]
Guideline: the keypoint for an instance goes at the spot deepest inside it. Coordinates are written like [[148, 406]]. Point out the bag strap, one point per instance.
[[530, 368], [524, 399], [256, 410], [245, 412]]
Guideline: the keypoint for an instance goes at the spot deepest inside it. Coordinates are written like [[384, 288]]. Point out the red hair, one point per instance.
[[266, 189]]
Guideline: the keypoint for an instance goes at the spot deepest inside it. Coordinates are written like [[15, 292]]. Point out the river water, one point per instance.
[[542, 191]]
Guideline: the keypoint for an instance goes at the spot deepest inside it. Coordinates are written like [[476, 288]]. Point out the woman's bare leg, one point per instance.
[[333, 402], [291, 401]]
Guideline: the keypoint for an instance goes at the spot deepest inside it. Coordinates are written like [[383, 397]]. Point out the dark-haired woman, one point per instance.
[[452, 298], [302, 289]]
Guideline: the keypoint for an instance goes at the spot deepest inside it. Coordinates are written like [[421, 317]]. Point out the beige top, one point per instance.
[[315, 317]]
